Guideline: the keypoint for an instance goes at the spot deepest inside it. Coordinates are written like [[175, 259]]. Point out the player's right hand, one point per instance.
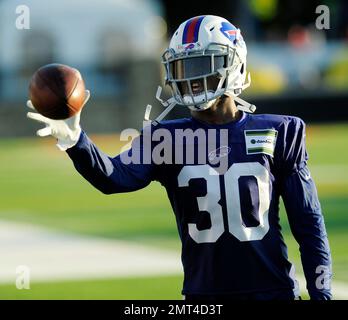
[[67, 132]]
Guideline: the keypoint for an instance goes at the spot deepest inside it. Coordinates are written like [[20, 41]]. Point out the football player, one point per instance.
[[228, 220]]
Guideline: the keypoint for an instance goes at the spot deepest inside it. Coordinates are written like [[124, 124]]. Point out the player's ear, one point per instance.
[[242, 69]]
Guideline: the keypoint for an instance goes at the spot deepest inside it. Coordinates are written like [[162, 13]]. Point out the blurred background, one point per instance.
[[49, 215], [117, 45]]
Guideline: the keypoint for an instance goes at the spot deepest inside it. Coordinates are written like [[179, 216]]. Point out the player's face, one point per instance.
[[197, 86], [195, 69]]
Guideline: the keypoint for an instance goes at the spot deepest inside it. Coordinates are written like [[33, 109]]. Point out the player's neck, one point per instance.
[[223, 111]]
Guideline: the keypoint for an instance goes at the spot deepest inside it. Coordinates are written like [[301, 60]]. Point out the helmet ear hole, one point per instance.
[[242, 69]]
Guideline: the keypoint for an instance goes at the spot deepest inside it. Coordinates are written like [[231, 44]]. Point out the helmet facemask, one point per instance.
[[198, 78]]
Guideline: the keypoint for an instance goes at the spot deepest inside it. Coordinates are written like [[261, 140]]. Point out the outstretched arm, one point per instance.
[[109, 175]]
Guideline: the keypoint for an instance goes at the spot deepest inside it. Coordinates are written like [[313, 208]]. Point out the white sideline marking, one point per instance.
[[53, 256], [58, 256]]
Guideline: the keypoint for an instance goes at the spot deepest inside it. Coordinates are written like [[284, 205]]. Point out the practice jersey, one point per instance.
[[226, 199]]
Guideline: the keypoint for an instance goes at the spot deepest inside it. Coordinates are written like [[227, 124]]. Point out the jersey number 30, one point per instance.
[[210, 202]]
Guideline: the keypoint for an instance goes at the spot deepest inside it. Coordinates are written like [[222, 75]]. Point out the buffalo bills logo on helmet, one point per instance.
[[229, 31], [190, 46]]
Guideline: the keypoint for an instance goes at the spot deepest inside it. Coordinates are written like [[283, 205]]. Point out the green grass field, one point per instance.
[[39, 185]]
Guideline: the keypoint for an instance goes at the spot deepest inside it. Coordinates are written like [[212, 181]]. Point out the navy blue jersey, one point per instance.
[[228, 218]]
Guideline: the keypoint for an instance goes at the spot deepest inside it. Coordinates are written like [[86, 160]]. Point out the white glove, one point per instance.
[[66, 131]]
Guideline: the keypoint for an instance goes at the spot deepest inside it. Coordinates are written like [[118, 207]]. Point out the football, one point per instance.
[[57, 91]]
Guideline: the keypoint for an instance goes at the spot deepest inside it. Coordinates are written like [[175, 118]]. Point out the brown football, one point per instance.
[[57, 91]]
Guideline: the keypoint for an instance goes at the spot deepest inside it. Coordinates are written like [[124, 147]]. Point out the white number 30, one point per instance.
[[210, 202]]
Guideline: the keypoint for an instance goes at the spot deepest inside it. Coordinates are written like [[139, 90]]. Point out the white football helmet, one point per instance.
[[206, 59]]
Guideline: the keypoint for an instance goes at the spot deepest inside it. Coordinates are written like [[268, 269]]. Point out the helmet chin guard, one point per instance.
[[203, 106], [171, 103]]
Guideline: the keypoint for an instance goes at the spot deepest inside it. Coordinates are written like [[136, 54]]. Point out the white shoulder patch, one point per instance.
[[260, 141]]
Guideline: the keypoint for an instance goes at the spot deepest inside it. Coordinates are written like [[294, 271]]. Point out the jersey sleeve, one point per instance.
[[111, 174], [304, 212]]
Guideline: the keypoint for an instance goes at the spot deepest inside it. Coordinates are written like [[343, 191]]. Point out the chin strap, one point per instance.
[[245, 106], [168, 105], [242, 104]]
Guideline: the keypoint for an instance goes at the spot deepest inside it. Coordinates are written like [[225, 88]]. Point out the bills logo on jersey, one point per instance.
[[219, 153], [229, 31]]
